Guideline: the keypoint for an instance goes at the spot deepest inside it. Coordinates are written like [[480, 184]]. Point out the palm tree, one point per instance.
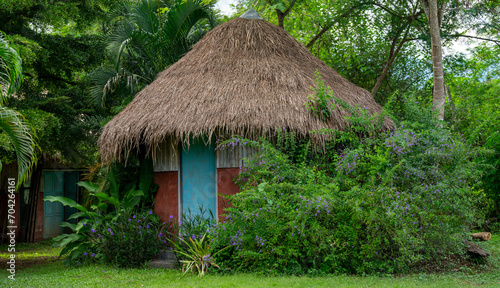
[[11, 121], [145, 37]]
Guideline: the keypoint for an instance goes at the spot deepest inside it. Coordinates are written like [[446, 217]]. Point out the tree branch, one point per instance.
[[281, 15], [497, 42], [327, 27]]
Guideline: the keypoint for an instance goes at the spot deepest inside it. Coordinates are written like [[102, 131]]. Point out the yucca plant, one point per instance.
[[196, 252]]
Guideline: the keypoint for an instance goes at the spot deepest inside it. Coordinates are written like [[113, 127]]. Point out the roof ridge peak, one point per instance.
[[251, 14]]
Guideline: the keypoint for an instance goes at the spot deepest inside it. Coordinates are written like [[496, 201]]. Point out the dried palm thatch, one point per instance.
[[245, 76]]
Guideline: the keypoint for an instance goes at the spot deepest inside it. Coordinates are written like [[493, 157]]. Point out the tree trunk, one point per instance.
[[34, 193], [483, 236], [392, 55], [281, 15], [438, 96], [281, 18]]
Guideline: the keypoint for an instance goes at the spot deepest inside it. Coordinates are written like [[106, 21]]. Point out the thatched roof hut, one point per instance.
[[245, 76]]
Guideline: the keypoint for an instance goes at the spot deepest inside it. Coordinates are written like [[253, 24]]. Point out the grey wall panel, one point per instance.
[[233, 156], [166, 158]]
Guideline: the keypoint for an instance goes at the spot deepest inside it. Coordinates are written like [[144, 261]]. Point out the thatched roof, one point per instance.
[[245, 76]]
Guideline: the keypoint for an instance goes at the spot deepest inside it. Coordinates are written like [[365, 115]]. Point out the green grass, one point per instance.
[[55, 274]]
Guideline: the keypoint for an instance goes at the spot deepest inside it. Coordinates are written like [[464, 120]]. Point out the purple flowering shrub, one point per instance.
[[383, 202], [131, 240], [110, 200]]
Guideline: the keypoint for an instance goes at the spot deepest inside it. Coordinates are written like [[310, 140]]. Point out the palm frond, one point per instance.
[[144, 40], [22, 137], [145, 16], [181, 18], [11, 72]]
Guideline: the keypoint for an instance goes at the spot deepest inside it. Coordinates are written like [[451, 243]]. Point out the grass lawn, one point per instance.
[[38, 266]]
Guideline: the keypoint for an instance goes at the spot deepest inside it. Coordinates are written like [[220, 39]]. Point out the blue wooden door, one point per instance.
[[198, 178], [53, 212]]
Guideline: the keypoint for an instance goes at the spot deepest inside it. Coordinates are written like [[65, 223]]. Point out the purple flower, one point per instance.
[[129, 220], [171, 216], [147, 226], [140, 227], [83, 222], [161, 234], [193, 237], [133, 216], [111, 233], [85, 254], [109, 229], [150, 212], [93, 255]]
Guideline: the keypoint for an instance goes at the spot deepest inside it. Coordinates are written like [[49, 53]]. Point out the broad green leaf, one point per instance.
[[66, 202], [91, 187], [112, 200]]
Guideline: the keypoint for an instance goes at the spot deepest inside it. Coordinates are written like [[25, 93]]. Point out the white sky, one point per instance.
[[223, 5]]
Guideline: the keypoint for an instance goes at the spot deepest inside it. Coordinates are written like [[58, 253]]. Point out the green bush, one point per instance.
[[131, 240], [388, 202], [114, 228], [491, 176]]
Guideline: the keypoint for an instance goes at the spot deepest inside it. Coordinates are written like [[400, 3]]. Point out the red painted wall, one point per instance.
[[167, 197], [39, 218], [225, 186]]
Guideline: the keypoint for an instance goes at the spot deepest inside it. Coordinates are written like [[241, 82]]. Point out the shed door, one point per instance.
[[198, 178], [53, 212]]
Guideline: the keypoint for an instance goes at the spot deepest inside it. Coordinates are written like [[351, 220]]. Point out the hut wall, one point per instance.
[[225, 186], [229, 161], [233, 156], [166, 175], [166, 158], [167, 197]]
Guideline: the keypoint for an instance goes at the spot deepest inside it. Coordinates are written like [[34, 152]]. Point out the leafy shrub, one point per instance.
[[491, 176], [389, 202], [131, 240], [195, 223], [110, 210]]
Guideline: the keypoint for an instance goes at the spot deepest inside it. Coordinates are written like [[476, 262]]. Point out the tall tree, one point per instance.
[[433, 15]]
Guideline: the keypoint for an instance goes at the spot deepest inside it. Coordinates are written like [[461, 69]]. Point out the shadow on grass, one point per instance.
[[30, 254]]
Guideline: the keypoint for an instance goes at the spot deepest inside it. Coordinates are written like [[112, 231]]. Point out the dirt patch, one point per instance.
[[25, 263]]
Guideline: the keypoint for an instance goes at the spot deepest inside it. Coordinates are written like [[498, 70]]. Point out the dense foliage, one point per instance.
[[390, 202], [116, 225], [131, 240]]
